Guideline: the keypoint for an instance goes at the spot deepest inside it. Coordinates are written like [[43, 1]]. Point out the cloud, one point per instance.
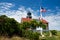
[[18, 14], [54, 20], [22, 12], [5, 6]]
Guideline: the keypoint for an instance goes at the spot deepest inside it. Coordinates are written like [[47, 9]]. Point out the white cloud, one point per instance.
[[54, 20], [18, 14], [5, 6], [22, 12]]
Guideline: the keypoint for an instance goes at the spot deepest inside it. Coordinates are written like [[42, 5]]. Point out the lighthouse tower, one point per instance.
[[28, 18], [29, 15]]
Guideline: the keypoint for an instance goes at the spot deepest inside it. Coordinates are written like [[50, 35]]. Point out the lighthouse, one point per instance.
[[29, 15], [28, 18]]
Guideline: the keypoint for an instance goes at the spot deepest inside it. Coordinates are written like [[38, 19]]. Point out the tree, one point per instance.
[[8, 26]]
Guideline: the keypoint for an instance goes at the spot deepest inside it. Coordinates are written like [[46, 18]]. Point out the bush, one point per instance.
[[36, 36], [54, 32], [8, 26], [30, 35]]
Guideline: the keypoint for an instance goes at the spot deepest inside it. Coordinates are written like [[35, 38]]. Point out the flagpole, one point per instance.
[[40, 13], [40, 10], [41, 18]]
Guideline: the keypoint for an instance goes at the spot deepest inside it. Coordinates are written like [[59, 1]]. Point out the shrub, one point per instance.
[[54, 32], [30, 35], [8, 26]]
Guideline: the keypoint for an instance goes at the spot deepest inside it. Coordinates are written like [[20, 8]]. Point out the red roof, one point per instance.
[[44, 21], [29, 19], [26, 19]]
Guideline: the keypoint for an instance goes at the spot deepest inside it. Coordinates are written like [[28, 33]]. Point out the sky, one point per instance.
[[18, 8]]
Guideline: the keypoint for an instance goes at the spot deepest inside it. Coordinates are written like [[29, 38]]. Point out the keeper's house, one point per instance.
[[29, 18]]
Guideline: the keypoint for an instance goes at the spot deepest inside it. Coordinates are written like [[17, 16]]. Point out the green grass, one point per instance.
[[54, 37]]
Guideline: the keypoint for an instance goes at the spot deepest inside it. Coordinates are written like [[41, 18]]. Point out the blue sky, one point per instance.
[[18, 8], [34, 4]]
